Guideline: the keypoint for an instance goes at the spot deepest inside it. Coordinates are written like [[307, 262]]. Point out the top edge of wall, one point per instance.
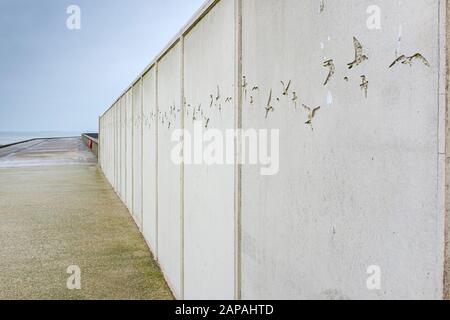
[[202, 12]]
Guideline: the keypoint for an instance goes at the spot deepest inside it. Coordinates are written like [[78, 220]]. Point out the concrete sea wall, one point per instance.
[[91, 141], [361, 185]]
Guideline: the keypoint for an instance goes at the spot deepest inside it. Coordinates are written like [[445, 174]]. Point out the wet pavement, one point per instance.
[[57, 210], [47, 152]]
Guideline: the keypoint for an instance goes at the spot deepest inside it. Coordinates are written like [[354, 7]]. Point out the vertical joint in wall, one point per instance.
[[132, 153], [156, 164], [237, 146], [99, 142], [446, 40], [142, 153], [182, 168]]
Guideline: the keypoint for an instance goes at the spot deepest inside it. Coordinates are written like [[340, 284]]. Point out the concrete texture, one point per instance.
[[208, 208], [137, 153], [93, 140], [149, 156], [446, 96], [128, 149], [64, 151], [359, 189], [169, 174], [362, 185], [123, 156], [53, 216], [17, 147]]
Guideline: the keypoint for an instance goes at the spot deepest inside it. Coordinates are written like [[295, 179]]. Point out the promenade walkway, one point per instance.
[[57, 210]]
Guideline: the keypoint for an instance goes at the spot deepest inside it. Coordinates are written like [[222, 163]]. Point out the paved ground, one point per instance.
[[65, 151], [57, 210]]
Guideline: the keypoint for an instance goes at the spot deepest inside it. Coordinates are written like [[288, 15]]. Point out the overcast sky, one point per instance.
[[53, 78]]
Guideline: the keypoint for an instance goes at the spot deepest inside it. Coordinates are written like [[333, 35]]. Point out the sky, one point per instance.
[[53, 78]]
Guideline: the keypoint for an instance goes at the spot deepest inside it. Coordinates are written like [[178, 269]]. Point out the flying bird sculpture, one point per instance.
[[294, 98], [408, 60], [329, 64], [286, 88], [311, 114], [360, 57], [364, 84], [269, 107]]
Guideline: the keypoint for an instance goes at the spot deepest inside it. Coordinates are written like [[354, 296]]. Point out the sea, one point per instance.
[[17, 136]]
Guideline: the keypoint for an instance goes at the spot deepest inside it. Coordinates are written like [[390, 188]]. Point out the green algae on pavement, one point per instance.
[[53, 217]]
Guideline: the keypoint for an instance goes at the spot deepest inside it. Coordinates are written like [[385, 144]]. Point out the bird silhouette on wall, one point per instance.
[[408, 60], [321, 6], [311, 114], [359, 56], [364, 84], [286, 88], [218, 94], [244, 86], [329, 64], [269, 107], [294, 98]]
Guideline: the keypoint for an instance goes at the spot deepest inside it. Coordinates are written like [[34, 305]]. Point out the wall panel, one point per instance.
[[209, 189], [123, 146], [149, 165], [129, 150], [169, 174], [358, 186], [360, 182], [137, 153]]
